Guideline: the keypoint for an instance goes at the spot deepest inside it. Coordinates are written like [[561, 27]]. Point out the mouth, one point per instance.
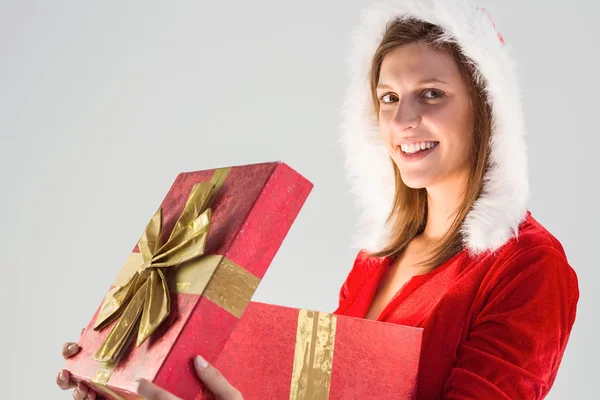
[[415, 148], [416, 151]]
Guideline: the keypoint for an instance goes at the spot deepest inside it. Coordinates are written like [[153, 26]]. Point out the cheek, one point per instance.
[[453, 126], [384, 128]]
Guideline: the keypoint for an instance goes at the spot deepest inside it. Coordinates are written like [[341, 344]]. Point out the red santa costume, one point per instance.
[[498, 315]]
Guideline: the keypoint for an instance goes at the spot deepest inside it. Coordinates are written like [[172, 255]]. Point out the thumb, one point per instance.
[[215, 381], [150, 391]]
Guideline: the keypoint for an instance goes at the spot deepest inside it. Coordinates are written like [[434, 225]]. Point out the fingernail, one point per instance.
[[62, 376], [137, 385], [201, 363], [72, 347]]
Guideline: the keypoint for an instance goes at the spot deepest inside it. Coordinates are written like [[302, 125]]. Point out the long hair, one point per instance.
[[409, 212]]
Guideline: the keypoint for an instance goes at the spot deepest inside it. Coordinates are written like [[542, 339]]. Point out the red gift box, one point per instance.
[[240, 215], [282, 353]]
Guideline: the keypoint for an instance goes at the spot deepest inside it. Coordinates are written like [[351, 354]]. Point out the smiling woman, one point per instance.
[[434, 136]]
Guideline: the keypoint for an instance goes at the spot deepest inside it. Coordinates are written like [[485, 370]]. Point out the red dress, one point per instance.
[[495, 326]]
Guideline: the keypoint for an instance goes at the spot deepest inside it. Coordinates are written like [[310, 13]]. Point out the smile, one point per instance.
[[416, 151], [414, 148]]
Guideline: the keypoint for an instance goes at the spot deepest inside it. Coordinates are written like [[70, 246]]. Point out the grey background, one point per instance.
[[103, 103]]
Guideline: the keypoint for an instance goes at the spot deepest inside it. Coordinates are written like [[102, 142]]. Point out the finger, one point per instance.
[[63, 380], [215, 381], [81, 392], [91, 395], [152, 392], [69, 349]]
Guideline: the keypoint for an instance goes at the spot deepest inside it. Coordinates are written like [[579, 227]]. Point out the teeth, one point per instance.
[[415, 147]]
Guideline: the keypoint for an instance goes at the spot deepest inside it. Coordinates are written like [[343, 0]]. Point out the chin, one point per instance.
[[415, 181]]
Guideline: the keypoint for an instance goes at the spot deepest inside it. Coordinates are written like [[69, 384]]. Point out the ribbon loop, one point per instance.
[[150, 240], [144, 297]]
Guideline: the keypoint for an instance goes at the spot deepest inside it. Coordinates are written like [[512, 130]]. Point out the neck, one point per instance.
[[443, 201]]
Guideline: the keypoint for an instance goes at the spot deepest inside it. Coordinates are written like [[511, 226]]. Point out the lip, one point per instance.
[[417, 156]]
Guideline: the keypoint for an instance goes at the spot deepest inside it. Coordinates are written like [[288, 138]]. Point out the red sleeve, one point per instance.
[[343, 292], [517, 340], [345, 289], [353, 281]]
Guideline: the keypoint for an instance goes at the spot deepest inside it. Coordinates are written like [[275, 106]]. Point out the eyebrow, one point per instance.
[[423, 82]]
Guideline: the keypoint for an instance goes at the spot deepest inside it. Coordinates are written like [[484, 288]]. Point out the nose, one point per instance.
[[407, 115]]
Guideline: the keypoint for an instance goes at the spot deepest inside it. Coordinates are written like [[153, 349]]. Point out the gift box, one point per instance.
[[282, 353], [188, 280]]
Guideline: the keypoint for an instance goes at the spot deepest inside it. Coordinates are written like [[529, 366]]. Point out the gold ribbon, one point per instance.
[[105, 390], [144, 296], [215, 277], [313, 356]]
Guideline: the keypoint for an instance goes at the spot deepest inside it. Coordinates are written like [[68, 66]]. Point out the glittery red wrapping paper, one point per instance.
[[252, 214], [371, 360]]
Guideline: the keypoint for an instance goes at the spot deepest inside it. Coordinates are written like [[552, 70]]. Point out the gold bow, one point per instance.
[[145, 294]]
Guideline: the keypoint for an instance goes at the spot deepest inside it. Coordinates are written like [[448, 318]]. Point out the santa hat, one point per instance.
[[496, 215]]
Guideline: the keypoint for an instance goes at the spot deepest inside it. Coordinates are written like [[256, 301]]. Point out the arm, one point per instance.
[[516, 342]]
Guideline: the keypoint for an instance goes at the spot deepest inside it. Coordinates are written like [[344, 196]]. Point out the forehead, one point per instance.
[[417, 61]]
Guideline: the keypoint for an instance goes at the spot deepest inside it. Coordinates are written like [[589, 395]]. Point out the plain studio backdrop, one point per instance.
[[102, 104]]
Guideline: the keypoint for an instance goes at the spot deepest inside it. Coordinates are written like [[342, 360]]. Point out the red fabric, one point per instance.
[[495, 326]]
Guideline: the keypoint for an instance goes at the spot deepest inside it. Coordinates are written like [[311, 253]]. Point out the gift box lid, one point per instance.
[[252, 208]]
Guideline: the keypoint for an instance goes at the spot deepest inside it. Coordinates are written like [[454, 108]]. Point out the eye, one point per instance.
[[382, 98], [429, 94], [433, 94]]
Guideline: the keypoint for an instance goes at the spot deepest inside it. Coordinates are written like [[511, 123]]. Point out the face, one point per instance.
[[425, 116]]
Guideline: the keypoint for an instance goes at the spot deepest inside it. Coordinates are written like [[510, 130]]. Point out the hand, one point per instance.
[[212, 378], [63, 380]]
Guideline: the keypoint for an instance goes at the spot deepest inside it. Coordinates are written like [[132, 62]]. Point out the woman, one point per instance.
[[434, 137]]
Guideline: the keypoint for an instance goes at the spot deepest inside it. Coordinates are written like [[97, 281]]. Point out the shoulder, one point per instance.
[[535, 260], [364, 264], [362, 268], [533, 234], [535, 243]]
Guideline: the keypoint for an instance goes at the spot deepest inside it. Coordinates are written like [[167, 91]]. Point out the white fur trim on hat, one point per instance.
[[496, 215]]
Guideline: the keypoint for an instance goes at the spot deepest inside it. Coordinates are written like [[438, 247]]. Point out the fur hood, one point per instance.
[[502, 206]]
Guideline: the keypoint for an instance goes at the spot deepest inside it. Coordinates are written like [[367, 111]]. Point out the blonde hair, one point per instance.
[[409, 212]]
